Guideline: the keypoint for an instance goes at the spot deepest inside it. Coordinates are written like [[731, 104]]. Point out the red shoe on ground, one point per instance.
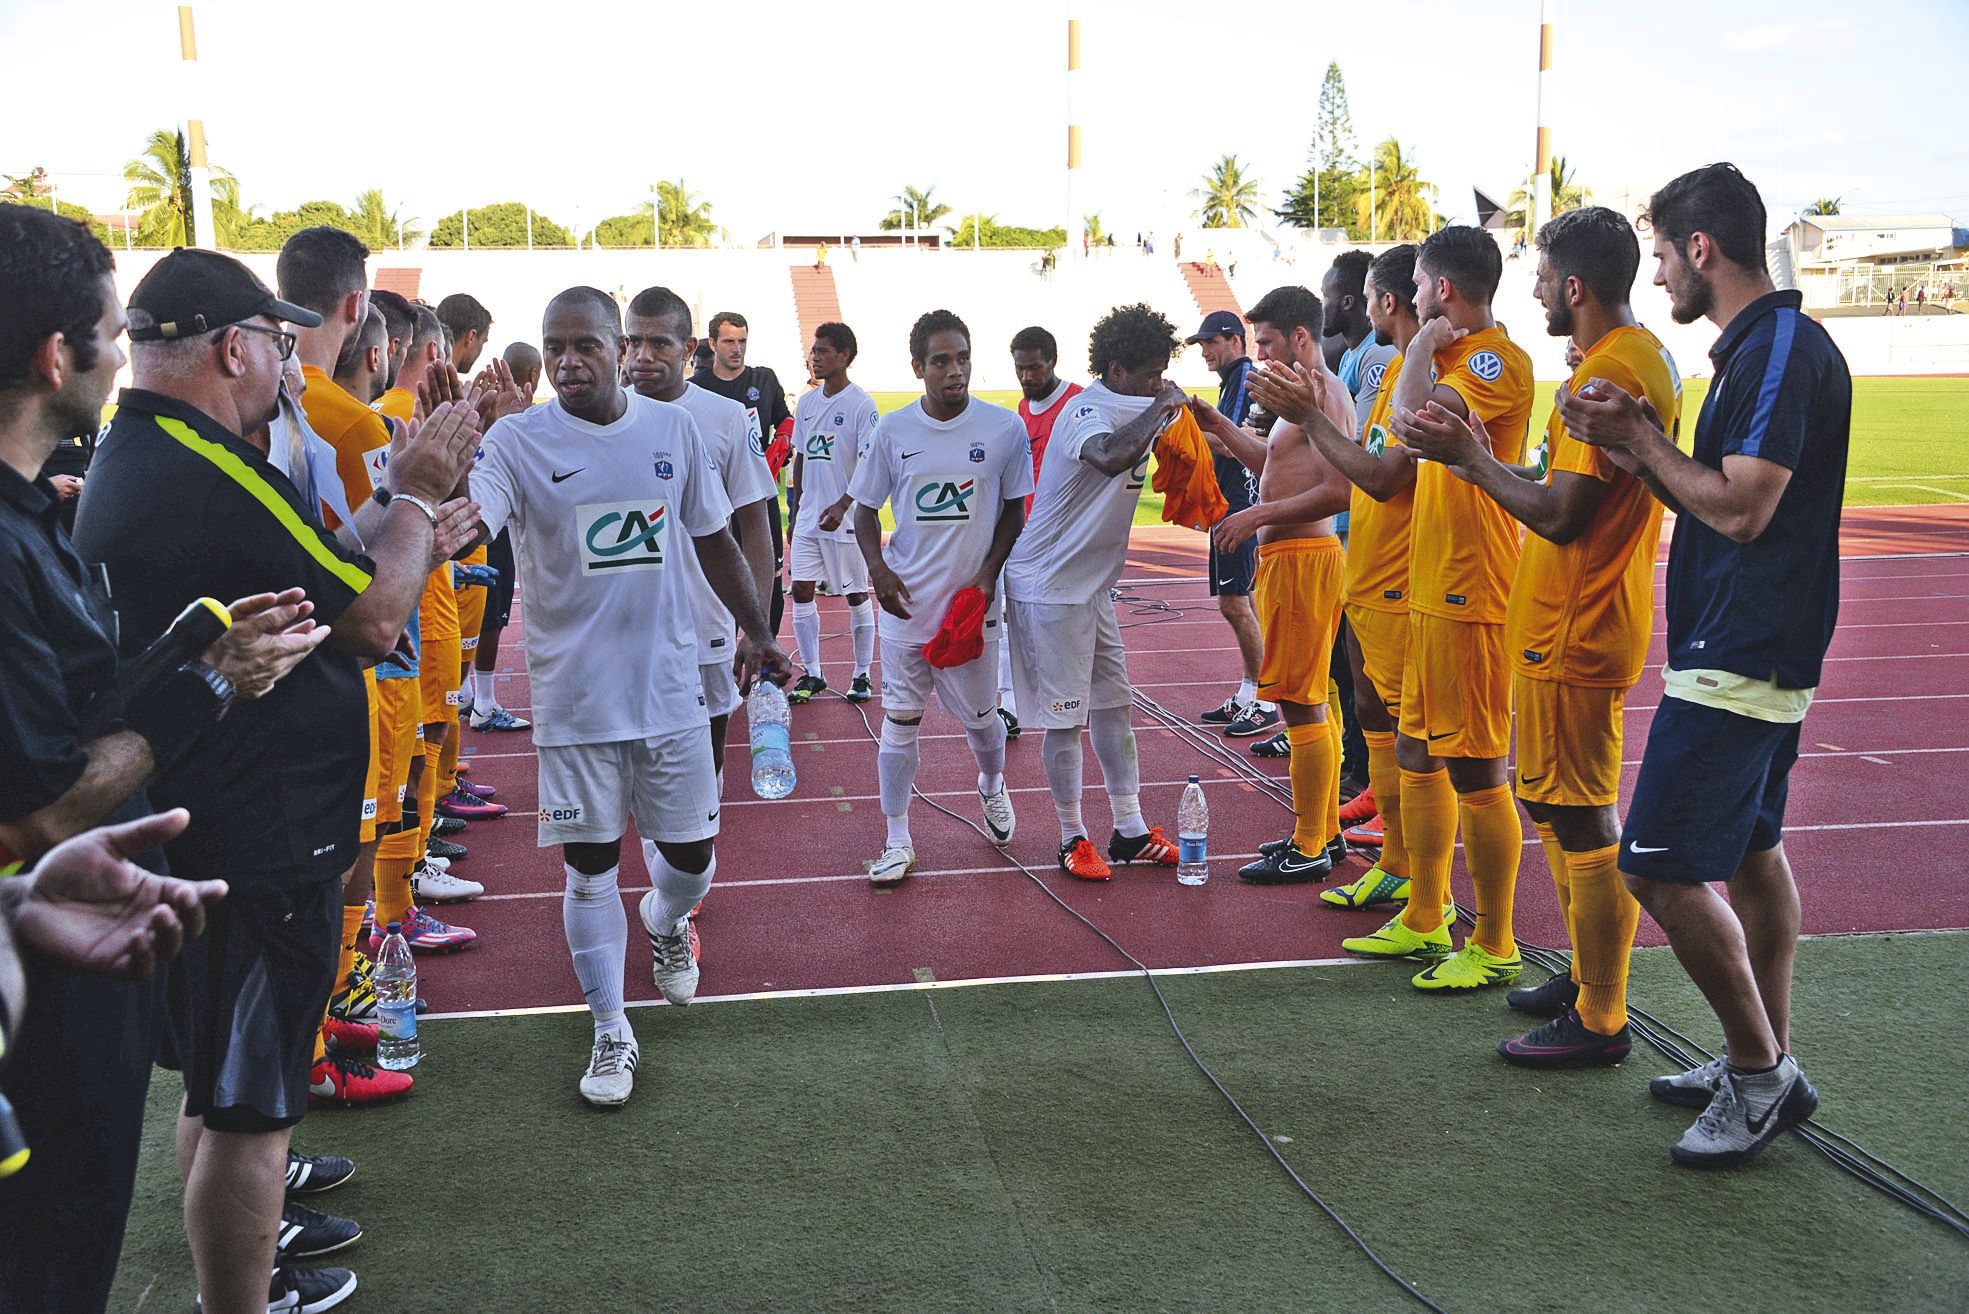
[[1359, 809], [339, 1079], [351, 1037], [1368, 834]]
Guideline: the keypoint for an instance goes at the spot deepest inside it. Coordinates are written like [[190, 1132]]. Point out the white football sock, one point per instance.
[[677, 891], [988, 747], [598, 938], [895, 769], [1121, 768], [861, 624], [1061, 754], [806, 636]]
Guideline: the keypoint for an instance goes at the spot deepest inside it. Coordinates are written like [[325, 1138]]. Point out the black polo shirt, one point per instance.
[[177, 507], [57, 648], [1765, 609]]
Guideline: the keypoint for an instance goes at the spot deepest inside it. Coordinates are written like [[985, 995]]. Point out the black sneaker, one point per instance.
[[859, 690], [1565, 1042], [1336, 850], [804, 690], [444, 848], [1224, 715], [445, 827], [305, 1233], [1276, 746], [1553, 999], [1252, 720], [1011, 723], [297, 1290], [309, 1174], [1286, 866]]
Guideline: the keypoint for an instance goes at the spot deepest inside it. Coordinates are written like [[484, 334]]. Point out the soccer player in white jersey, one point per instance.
[[1067, 661], [658, 331], [955, 471], [599, 485], [831, 428]]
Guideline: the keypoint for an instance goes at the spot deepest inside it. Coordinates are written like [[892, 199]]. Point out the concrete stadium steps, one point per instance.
[[815, 300], [404, 282], [1209, 288]]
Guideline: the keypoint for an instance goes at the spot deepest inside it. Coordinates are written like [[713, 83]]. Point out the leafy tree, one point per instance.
[[1091, 226], [1394, 203], [685, 220], [1331, 180], [1825, 205], [918, 207], [33, 188], [992, 233], [1230, 198], [160, 192], [501, 225]]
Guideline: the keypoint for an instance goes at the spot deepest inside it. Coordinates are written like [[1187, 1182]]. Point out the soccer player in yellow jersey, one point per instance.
[[1374, 592], [1454, 731], [1582, 608]]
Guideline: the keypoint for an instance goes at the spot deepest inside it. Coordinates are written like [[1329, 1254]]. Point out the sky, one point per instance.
[[809, 118]]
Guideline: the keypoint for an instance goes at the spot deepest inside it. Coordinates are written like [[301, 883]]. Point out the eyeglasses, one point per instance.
[[283, 341]]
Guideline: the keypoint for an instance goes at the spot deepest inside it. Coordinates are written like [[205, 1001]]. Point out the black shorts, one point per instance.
[[1233, 572], [1712, 790], [499, 597], [243, 1003]]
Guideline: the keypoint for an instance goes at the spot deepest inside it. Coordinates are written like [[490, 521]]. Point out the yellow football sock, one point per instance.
[[1493, 845], [393, 890], [1338, 750], [1429, 811], [1385, 778], [1556, 861], [427, 793], [448, 758], [1604, 918], [1313, 779]]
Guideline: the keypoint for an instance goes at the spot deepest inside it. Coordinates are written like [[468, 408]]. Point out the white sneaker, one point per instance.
[[430, 884], [998, 819], [611, 1073], [675, 954], [441, 864], [895, 863]]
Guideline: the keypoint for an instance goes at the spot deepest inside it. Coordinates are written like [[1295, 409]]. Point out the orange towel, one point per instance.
[[961, 638], [1186, 476]]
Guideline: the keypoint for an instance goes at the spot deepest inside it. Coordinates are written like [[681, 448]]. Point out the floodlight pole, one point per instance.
[[1541, 182], [203, 232]]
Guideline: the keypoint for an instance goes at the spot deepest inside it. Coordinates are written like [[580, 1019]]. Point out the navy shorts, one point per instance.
[[1711, 791], [499, 598], [1233, 572]]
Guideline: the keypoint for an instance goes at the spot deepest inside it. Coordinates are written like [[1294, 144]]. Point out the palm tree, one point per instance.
[[160, 191], [27, 186], [1229, 197], [683, 218], [1567, 194], [1394, 201], [1091, 226], [1825, 205], [916, 208], [379, 224]]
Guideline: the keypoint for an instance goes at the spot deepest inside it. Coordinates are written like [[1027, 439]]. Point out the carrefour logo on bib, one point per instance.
[[941, 499], [622, 535]]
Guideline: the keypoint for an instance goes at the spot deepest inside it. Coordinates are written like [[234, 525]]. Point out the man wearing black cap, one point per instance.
[[1232, 573], [183, 501]]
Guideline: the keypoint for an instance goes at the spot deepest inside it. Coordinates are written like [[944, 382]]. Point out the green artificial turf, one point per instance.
[[1047, 1147]]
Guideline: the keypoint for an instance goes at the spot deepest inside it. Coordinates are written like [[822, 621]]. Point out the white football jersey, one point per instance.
[[829, 435], [727, 434], [1076, 538]]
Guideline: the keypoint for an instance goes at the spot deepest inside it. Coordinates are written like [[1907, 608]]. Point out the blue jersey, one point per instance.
[[1765, 609]]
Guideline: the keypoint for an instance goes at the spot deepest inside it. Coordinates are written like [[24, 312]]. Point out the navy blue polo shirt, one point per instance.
[[1765, 609], [1238, 485]]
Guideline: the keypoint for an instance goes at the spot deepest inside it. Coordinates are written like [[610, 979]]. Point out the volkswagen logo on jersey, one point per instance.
[[1487, 365], [1371, 380], [941, 500], [622, 535], [977, 454]]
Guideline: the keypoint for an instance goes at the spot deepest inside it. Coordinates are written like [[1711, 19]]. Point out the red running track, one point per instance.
[[1877, 809]]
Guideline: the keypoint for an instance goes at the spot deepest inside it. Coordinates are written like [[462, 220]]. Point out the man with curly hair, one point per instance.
[[1067, 662]]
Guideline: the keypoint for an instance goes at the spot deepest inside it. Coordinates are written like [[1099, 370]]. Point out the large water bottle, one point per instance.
[[1192, 836], [395, 980], [772, 740]]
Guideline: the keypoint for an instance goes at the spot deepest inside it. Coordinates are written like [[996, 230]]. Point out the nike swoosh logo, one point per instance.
[[1757, 1125], [1639, 848], [907, 455], [1297, 865], [557, 478], [1531, 780], [1444, 735]]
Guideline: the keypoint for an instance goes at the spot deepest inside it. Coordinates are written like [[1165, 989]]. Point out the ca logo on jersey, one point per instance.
[[1377, 439], [622, 535], [820, 447], [1487, 365], [1139, 475], [942, 500]]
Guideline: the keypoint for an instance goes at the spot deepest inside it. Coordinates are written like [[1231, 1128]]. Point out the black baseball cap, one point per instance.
[[191, 291], [1218, 323]]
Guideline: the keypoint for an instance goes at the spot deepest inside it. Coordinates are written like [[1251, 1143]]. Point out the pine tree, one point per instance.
[[1332, 177]]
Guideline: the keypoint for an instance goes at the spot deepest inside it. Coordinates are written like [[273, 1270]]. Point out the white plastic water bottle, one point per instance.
[[772, 740], [395, 981], [1192, 835]]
